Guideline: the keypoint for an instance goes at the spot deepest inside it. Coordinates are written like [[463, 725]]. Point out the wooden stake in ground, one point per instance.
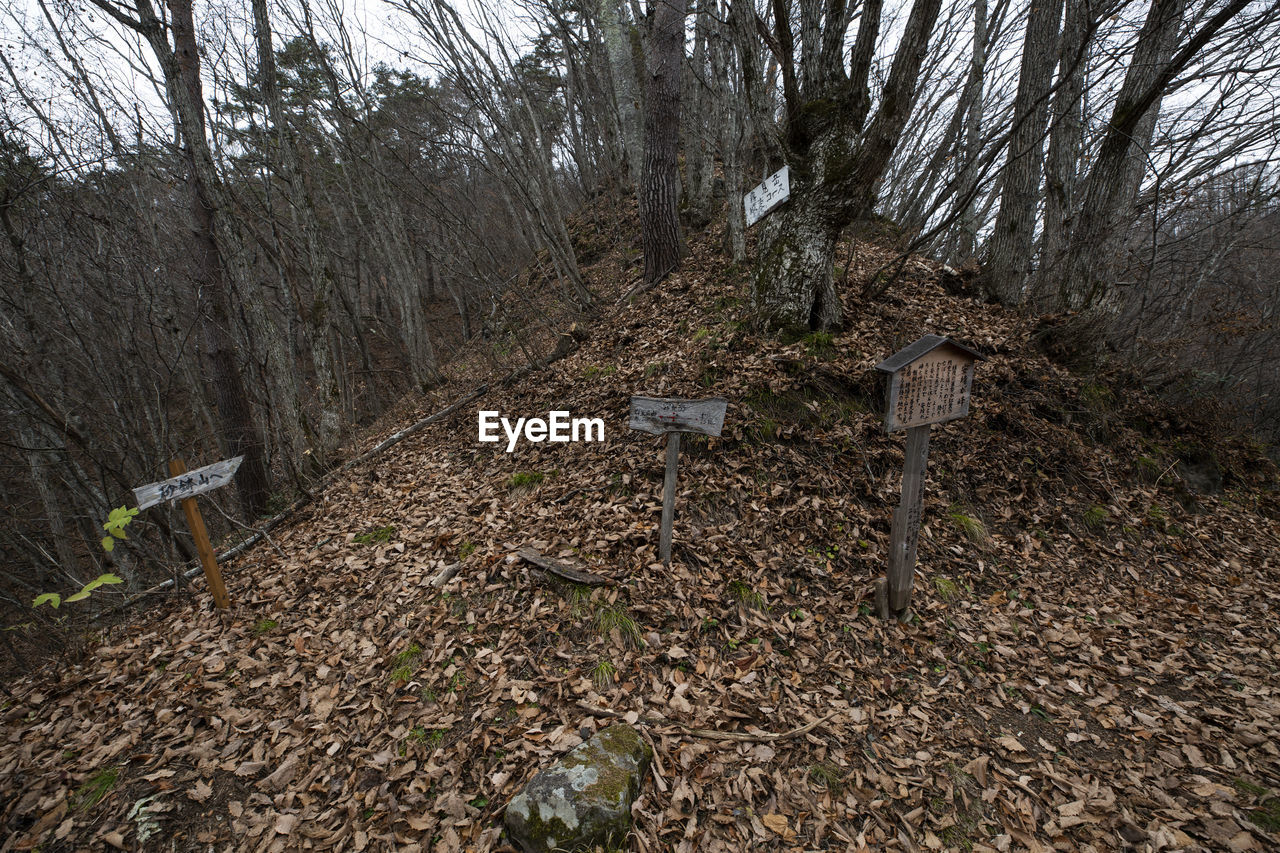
[[929, 383], [184, 486], [203, 546], [670, 417]]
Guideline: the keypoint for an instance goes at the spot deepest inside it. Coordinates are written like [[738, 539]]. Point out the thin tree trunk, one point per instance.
[[659, 194]]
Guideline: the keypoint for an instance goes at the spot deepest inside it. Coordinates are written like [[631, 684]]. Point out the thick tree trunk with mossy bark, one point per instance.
[[794, 291], [836, 156]]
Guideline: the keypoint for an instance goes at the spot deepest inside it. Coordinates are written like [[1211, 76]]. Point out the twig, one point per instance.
[[714, 734], [446, 574]]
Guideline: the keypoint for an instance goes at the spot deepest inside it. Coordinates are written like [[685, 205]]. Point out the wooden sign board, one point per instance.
[[774, 191], [661, 415], [929, 383], [669, 416], [187, 485]]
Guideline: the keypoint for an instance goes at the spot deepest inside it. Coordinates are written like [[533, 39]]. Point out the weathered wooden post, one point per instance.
[[929, 383], [185, 486], [670, 417]]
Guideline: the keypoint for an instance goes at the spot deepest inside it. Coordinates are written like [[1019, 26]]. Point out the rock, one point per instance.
[[585, 798]]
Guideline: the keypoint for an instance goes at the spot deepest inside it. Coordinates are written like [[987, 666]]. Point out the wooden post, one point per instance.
[[207, 558], [906, 521], [929, 383], [669, 497]]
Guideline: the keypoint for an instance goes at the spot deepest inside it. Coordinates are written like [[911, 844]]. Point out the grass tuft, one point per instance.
[[743, 593], [526, 479], [614, 617], [972, 528]]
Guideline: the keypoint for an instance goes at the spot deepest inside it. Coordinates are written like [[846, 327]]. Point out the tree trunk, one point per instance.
[[1066, 133], [623, 77], [237, 425], [835, 164], [302, 216], [1009, 260], [1105, 190], [659, 194]]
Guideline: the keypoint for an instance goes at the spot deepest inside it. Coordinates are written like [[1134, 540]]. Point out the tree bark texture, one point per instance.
[[659, 194], [237, 424], [1012, 240]]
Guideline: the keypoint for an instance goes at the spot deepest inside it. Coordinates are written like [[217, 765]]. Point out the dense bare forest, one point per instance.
[[248, 229]]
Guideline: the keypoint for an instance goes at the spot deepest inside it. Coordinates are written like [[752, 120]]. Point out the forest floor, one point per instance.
[[1092, 664]]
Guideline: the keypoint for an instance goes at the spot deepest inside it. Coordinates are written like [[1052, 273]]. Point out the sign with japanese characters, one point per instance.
[[929, 383], [774, 191], [661, 415], [187, 485]]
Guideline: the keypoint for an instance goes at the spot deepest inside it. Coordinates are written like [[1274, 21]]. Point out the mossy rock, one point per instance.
[[585, 798]]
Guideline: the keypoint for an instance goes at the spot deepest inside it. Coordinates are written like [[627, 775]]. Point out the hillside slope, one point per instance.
[[1092, 666]]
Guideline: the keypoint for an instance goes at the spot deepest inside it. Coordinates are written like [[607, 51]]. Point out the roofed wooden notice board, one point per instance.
[[929, 383]]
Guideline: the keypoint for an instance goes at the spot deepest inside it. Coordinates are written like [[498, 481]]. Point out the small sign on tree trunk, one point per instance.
[[929, 383], [670, 417], [774, 191]]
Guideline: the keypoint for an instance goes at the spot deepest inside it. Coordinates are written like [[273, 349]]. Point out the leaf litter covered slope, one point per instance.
[[1093, 663]]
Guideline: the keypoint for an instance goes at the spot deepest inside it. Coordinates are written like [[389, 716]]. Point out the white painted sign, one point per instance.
[[187, 485], [774, 191], [661, 415]]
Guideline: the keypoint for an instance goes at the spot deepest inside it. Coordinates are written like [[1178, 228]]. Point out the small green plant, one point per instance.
[[797, 615], [972, 528], [53, 599], [408, 654], [1267, 813], [594, 371], [746, 595], [653, 368], [602, 674], [265, 626], [115, 525], [614, 617], [947, 588], [95, 789], [702, 334], [820, 344], [828, 776], [381, 535], [1095, 517], [466, 550], [525, 479], [1097, 397]]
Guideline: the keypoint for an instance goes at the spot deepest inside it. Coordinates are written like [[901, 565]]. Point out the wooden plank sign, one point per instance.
[[774, 191], [189, 484], [929, 383], [662, 415], [669, 416]]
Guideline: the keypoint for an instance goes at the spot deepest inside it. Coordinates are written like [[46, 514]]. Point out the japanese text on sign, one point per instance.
[[660, 415], [774, 191], [187, 485], [931, 390]]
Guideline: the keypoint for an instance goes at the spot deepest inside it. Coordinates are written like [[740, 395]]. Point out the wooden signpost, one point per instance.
[[670, 417], [929, 383], [774, 191], [185, 485]]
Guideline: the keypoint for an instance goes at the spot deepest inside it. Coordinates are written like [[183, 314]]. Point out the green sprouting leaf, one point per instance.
[[79, 596], [100, 580], [108, 543], [51, 597]]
